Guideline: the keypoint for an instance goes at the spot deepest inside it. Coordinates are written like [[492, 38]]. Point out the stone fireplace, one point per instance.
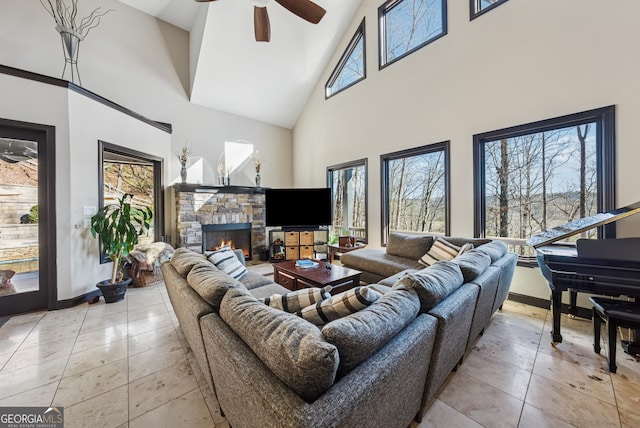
[[198, 205]]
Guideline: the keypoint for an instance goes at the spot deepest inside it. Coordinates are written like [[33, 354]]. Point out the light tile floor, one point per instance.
[[127, 364]]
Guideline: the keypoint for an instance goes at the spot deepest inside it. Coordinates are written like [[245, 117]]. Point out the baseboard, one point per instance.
[[546, 304], [69, 303]]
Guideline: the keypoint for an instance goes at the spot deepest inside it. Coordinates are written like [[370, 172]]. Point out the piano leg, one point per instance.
[[573, 304], [556, 309]]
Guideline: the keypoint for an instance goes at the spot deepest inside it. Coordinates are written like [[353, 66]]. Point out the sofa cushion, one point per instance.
[[432, 284], [294, 301], [210, 283], [377, 261], [292, 348], [360, 335], [408, 245], [494, 249], [473, 264], [226, 260], [267, 290], [340, 305], [253, 280], [184, 259]]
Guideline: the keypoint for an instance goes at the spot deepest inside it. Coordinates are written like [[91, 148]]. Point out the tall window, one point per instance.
[[408, 25], [348, 183], [415, 190], [128, 171], [478, 7], [537, 176], [352, 65]]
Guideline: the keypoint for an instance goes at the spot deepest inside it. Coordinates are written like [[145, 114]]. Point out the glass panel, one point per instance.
[[349, 211], [128, 175], [19, 267], [539, 181], [416, 194], [351, 71], [410, 24]]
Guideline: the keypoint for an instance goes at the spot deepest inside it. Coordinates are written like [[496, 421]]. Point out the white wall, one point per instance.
[[142, 64], [522, 62]]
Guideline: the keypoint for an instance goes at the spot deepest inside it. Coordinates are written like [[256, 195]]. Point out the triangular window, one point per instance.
[[352, 65]]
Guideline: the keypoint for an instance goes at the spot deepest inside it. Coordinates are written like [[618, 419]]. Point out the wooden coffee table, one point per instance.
[[292, 277]]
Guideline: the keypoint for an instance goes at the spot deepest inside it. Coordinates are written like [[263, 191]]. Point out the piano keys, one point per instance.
[[608, 267]]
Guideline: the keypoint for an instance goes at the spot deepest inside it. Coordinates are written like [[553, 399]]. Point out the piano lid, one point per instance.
[[580, 225]]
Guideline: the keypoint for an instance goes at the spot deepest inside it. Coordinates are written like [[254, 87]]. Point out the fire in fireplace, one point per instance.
[[237, 236]]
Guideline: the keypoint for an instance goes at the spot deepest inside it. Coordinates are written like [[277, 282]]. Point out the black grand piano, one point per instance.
[[608, 267]]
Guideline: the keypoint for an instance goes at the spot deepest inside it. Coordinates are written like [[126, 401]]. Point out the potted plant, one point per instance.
[[118, 226]]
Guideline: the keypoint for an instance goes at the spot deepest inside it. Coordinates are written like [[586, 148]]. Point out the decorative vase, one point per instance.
[[70, 46], [183, 174], [258, 180]]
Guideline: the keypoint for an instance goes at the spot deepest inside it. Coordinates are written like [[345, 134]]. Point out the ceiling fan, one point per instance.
[[305, 9]]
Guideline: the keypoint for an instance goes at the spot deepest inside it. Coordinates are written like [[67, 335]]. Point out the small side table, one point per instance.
[[335, 249]]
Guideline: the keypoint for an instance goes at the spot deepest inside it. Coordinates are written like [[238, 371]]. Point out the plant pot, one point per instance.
[[113, 292]]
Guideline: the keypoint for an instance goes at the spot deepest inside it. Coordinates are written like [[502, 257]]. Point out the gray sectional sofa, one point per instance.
[[381, 366]]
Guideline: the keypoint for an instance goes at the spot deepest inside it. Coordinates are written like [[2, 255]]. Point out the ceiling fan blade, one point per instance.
[[204, 1], [305, 9], [261, 24]]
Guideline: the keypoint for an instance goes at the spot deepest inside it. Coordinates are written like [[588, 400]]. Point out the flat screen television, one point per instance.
[[298, 208]]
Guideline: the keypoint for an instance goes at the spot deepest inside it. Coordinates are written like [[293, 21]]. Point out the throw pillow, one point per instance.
[[296, 300], [227, 261], [184, 259], [293, 349], [432, 284], [472, 264], [210, 283], [408, 245], [340, 305], [494, 249], [440, 250], [362, 334]]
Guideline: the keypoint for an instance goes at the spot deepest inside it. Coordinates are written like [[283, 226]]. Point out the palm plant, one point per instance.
[[119, 226]]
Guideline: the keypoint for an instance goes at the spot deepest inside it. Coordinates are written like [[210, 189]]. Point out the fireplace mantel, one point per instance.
[[204, 188]]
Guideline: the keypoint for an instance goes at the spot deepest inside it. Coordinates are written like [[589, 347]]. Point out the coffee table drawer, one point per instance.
[[287, 281]]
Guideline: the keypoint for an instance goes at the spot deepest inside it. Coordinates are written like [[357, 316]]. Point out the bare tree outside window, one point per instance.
[[348, 192], [408, 25], [415, 194], [352, 65], [534, 177]]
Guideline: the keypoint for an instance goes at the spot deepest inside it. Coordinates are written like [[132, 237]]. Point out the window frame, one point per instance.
[[387, 6], [604, 119], [443, 146], [352, 164], [474, 11], [360, 33]]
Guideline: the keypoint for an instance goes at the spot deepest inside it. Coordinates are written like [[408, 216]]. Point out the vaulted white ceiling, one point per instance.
[[231, 72]]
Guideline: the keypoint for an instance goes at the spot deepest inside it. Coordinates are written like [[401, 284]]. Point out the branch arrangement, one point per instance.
[[65, 16]]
